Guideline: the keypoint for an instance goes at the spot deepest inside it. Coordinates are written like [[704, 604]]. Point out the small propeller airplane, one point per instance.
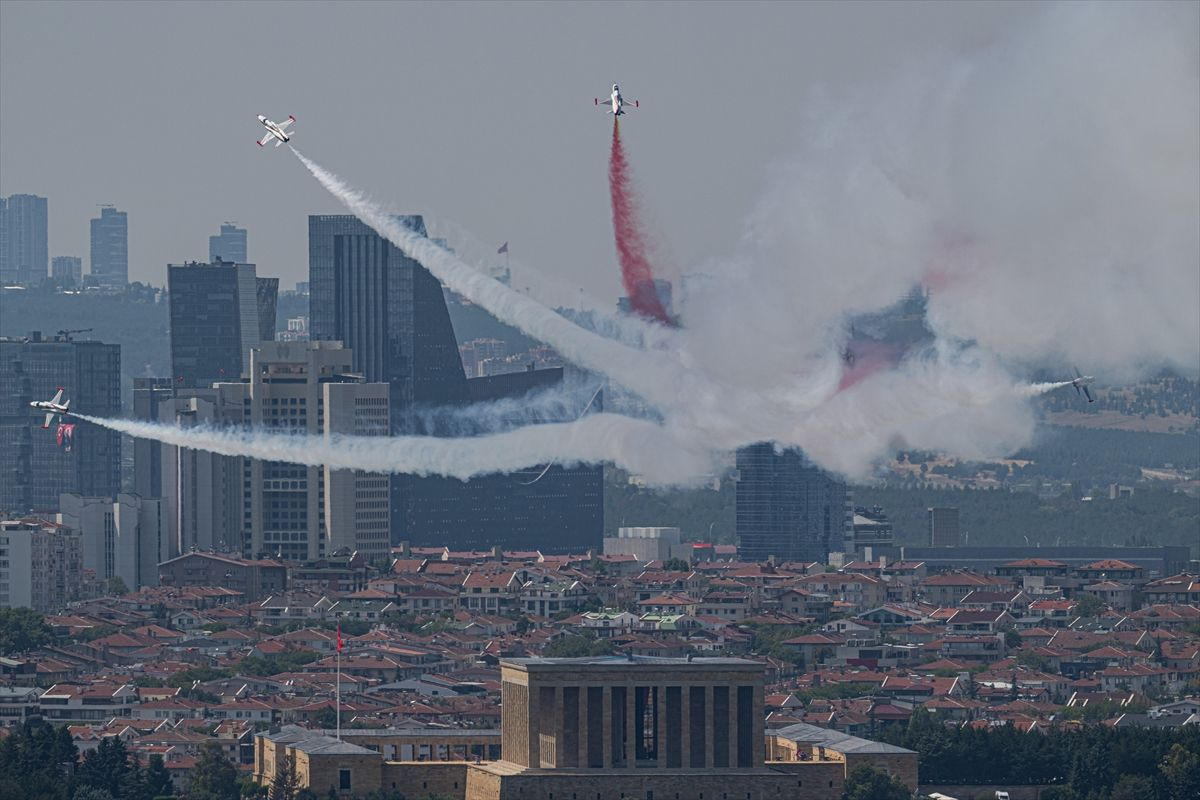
[[55, 405], [1081, 383], [275, 131], [617, 101]]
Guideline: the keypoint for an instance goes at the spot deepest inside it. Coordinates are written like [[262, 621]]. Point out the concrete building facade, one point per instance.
[[23, 239], [122, 539], [228, 245], [35, 469], [787, 507], [110, 247], [648, 544], [41, 565], [67, 271], [218, 313], [943, 527]]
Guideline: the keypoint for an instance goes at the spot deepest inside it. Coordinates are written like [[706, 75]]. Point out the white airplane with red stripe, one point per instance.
[[277, 131], [617, 101], [55, 405]]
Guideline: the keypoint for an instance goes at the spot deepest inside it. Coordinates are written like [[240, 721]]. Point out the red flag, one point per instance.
[[339, 631]]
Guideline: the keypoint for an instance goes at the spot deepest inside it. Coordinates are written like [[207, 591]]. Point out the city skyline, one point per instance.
[[189, 122]]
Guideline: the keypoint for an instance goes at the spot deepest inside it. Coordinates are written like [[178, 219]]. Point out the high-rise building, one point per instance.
[[302, 513], [35, 468], [110, 247], [553, 508], [67, 271], [148, 394], [788, 508], [42, 566], [203, 502], [943, 527], [218, 312], [23, 239], [122, 539], [228, 245], [391, 312]]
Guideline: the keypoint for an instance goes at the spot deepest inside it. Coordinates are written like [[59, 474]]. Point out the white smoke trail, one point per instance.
[[1045, 190], [645, 372], [636, 445]]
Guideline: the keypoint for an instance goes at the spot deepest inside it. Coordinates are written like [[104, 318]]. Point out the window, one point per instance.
[[344, 780]]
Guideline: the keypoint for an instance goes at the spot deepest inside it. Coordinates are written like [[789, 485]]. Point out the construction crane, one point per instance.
[[66, 335]]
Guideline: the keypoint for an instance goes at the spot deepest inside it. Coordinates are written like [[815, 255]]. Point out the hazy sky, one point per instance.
[[479, 115]]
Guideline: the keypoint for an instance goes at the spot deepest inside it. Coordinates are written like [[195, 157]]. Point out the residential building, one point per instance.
[[40, 565], [255, 579], [23, 239], [871, 529], [787, 508], [35, 468], [229, 245], [110, 247], [648, 544], [120, 539], [67, 271]]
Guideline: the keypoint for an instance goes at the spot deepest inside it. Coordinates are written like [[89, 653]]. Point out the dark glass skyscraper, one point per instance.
[[786, 507], [228, 245], [110, 247], [23, 239], [391, 311], [34, 468], [218, 312]]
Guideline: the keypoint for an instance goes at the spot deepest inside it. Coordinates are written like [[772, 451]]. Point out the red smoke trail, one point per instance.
[[636, 274]]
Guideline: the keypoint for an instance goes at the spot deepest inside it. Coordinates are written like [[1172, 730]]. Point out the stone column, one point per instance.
[[709, 762], [758, 750], [733, 726], [660, 717], [584, 728], [631, 726], [606, 715], [685, 723], [560, 728]]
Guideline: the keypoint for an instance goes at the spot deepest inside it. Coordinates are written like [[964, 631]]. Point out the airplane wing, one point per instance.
[[278, 142], [283, 125], [1088, 395], [49, 419], [1076, 385], [58, 396]]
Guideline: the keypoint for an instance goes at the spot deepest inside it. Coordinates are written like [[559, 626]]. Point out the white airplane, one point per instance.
[[276, 131], [1081, 382], [56, 405], [618, 102]]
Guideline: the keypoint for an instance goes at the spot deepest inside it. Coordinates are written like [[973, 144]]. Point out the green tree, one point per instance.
[[91, 793], [157, 778], [1134, 787], [865, 783], [106, 767], [677, 565], [213, 777], [285, 784], [1181, 771], [577, 647], [22, 629], [116, 585], [1088, 605]]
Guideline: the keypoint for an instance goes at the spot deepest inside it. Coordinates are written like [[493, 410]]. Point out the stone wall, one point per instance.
[[806, 782], [418, 779]]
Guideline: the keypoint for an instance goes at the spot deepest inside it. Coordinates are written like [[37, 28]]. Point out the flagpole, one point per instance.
[[338, 691]]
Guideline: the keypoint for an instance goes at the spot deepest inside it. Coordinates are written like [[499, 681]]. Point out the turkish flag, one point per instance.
[[339, 634]]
